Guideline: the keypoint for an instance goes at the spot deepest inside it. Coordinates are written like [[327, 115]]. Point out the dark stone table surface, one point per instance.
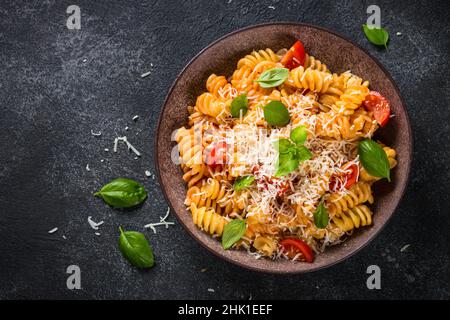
[[57, 85]]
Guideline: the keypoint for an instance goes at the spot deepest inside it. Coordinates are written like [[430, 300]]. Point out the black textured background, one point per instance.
[[58, 84]]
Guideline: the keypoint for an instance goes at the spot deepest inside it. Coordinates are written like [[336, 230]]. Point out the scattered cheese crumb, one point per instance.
[[126, 128], [148, 173], [84, 60], [64, 237], [405, 247], [399, 33], [146, 74], [97, 233], [162, 222], [96, 133], [106, 150], [204, 270], [135, 158], [87, 167], [102, 160], [135, 118], [271, 7], [210, 290], [129, 145], [94, 225], [53, 230]]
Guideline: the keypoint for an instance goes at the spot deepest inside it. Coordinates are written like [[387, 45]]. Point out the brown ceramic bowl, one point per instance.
[[340, 55]]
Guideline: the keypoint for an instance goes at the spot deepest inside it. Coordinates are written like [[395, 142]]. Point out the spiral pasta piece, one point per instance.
[[265, 245], [251, 60], [353, 218], [358, 193], [208, 104], [313, 63], [207, 220], [311, 79], [350, 100]]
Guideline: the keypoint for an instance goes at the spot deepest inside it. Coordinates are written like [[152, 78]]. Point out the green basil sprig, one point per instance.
[[122, 193], [377, 36], [243, 182], [233, 232], [374, 159], [239, 106], [136, 249], [276, 114], [321, 217], [273, 77], [291, 153]]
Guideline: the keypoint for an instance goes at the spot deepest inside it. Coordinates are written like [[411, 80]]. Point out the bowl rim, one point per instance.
[[272, 271]]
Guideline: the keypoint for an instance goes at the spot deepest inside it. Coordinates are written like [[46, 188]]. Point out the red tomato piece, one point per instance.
[[295, 245], [379, 105], [350, 178], [295, 56], [217, 155]]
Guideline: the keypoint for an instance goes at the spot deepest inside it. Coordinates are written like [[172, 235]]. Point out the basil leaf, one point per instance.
[[282, 145], [286, 163], [233, 232], [136, 249], [276, 114], [243, 182], [299, 134], [239, 105], [374, 159], [321, 216], [273, 77], [303, 153], [377, 36], [122, 193]]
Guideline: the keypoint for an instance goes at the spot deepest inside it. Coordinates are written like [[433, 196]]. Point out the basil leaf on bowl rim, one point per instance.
[[321, 217], [233, 232], [122, 193], [374, 159], [276, 114], [243, 182], [273, 77], [239, 106], [377, 36], [136, 249]]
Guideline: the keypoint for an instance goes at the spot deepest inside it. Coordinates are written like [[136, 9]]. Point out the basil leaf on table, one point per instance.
[[377, 36], [239, 105], [243, 182], [273, 77], [276, 114], [299, 135], [122, 193], [136, 249], [374, 159], [321, 216], [233, 232]]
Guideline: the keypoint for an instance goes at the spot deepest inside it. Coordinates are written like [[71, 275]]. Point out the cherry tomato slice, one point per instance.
[[350, 178], [379, 105], [217, 155], [295, 56], [300, 246]]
